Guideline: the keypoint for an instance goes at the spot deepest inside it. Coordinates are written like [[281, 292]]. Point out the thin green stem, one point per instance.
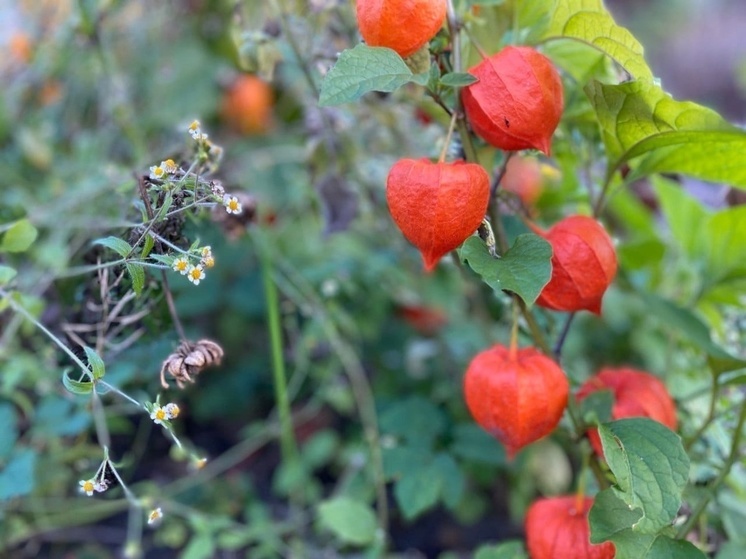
[[20, 310], [287, 437], [732, 457], [708, 420]]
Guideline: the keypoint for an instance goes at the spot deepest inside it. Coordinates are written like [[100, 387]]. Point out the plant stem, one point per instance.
[[20, 310], [562, 337], [287, 437], [732, 457], [708, 420]]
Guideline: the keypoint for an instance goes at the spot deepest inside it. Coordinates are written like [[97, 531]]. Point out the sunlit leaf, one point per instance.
[[19, 237], [363, 69], [651, 469], [351, 521], [116, 244]]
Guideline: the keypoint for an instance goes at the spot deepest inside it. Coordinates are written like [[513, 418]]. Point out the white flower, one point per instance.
[[181, 265], [208, 261], [206, 251], [232, 205], [172, 411], [158, 415], [196, 274], [194, 130], [157, 172], [87, 486], [101, 485], [169, 166], [155, 515]]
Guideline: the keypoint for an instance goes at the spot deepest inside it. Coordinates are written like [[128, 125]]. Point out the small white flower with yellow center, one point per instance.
[[208, 261], [169, 166], [194, 130], [155, 515], [158, 415], [206, 251], [181, 265], [232, 205], [196, 274], [87, 486], [157, 172], [172, 411]]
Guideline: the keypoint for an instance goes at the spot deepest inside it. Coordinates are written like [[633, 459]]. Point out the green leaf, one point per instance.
[[116, 244], [363, 69], [505, 550], [137, 274], [470, 442], [351, 521], [147, 246], [95, 362], [692, 329], [17, 477], [525, 269], [415, 419], [19, 237], [454, 484], [610, 516], [6, 274], [651, 469], [458, 79], [589, 21], [76, 386], [607, 520], [640, 119], [400, 461], [596, 407], [9, 421], [418, 491]]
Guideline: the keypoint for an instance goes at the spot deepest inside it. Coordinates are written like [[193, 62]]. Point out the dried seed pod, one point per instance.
[[437, 205], [583, 265], [557, 528], [517, 395], [517, 102], [636, 394], [401, 25], [189, 360]]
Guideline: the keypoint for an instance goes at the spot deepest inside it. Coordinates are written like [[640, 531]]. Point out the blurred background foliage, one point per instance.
[[96, 91]]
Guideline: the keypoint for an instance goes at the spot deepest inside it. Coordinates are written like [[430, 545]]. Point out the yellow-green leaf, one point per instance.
[[18, 237]]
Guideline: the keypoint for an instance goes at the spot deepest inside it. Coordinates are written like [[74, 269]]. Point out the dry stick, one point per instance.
[[164, 277]]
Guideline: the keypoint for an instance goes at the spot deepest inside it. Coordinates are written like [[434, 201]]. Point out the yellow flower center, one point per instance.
[[233, 205], [181, 265], [196, 274], [88, 486], [160, 414]]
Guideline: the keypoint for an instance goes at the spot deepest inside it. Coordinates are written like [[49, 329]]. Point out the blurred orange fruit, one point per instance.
[[247, 105]]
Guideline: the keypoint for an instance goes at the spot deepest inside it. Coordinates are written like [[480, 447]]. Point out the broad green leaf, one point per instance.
[[363, 69], [9, 421], [116, 244], [505, 550], [525, 269], [137, 275], [351, 521], [454, 483], [715, 243], [455, 79], [95, 362], [76, 386], [6, 274], [691, 327], [611, 519], [415, 419], [418, 491], [17, 477], [201, 546], [19, 237], [589, 21], [470, 442], [596, 407], [403, 460], [732, 550], [651, 469], [640, 119], [610, 516]]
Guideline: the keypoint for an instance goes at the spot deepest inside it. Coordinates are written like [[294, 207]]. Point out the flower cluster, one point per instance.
[[195, 273], [163, 169], [165, 413], [98, 483]]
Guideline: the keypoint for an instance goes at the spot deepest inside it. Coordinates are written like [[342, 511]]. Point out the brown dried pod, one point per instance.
[[189, 359]]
